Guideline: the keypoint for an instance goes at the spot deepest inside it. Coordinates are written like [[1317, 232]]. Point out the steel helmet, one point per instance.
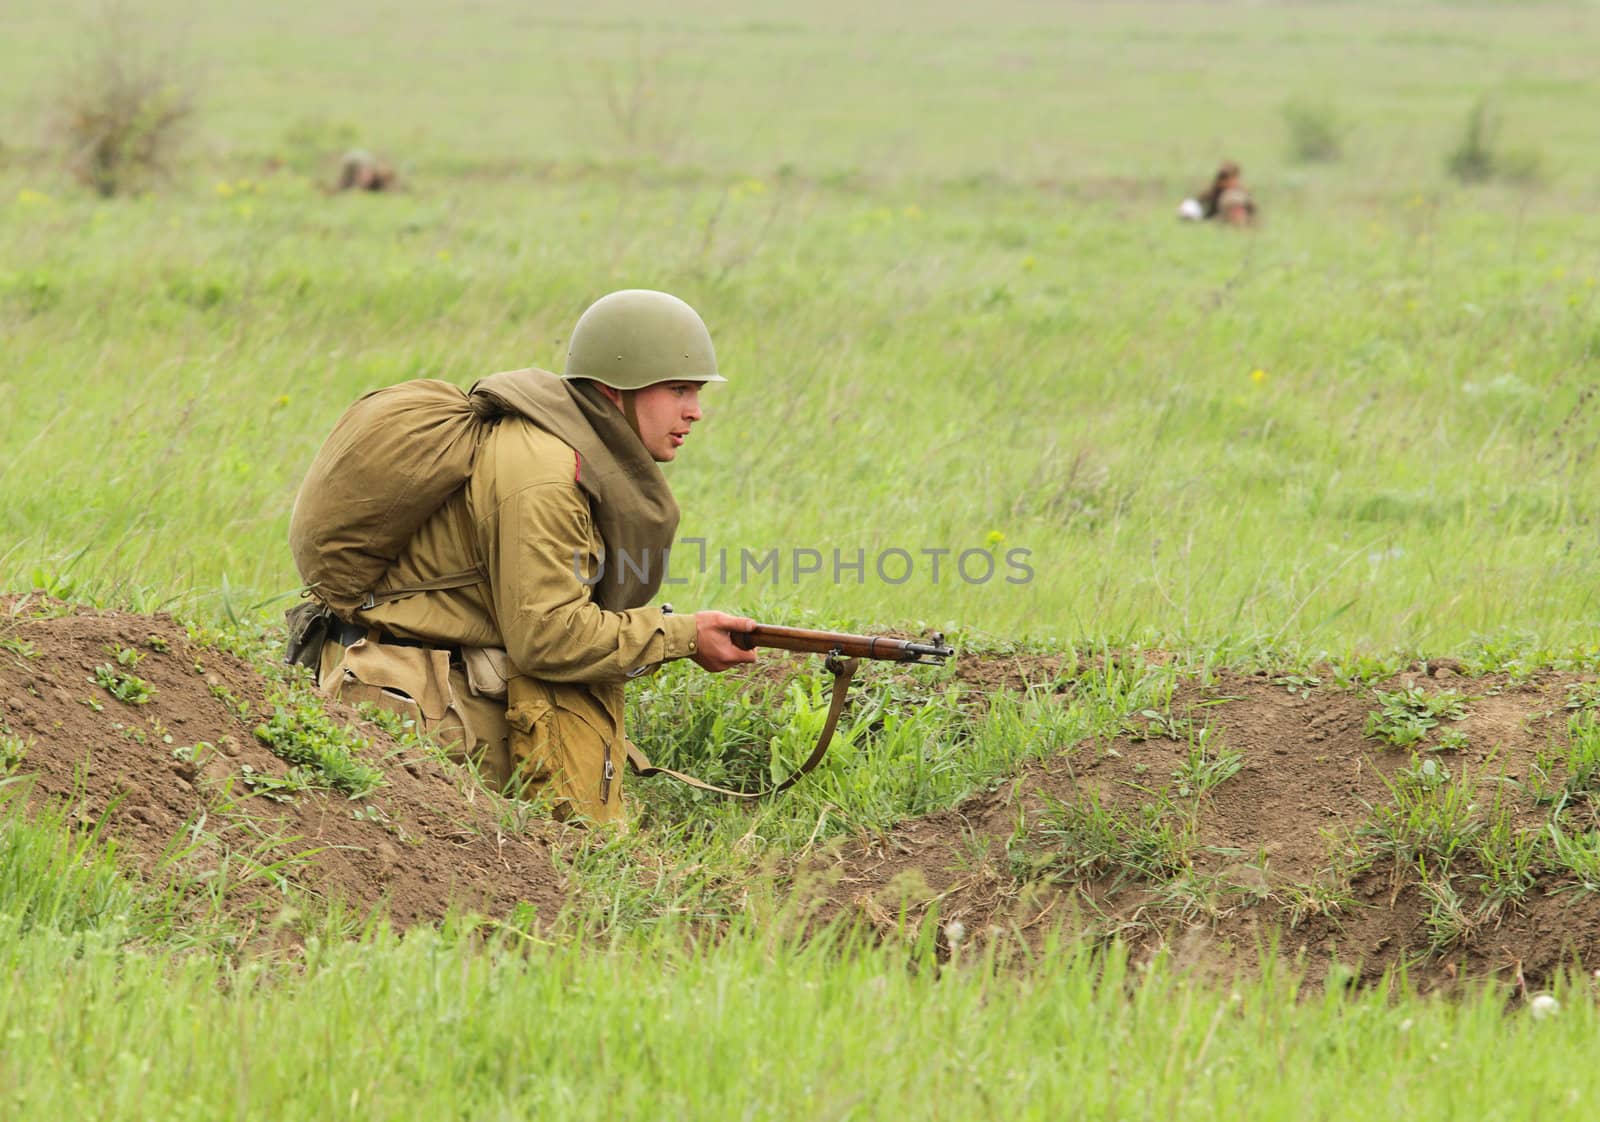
[[638, 337]]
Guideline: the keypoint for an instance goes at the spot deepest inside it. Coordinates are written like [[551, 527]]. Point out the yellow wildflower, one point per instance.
[[1258, 375], [25, 197], [995, 538], [225, 190]]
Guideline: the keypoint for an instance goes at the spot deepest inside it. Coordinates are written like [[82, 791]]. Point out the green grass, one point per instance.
[[952, 363], [324, 752], [936, 251], [62, 872], [762, 1027], [52, 878], [1012, 92], [1409, 471]]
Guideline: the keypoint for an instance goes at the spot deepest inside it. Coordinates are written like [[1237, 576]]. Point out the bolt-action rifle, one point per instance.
[[842, 645], [844, 653]]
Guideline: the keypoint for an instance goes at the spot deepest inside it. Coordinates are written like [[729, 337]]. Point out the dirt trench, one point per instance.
[[1280, 858], [1284, 859], [179, 759]]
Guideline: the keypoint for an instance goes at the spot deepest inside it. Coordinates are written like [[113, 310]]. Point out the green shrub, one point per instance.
[[121, 114], [1478, 156], [1472, 160]]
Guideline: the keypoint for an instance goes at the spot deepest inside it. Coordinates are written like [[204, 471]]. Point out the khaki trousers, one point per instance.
[[556, 741]]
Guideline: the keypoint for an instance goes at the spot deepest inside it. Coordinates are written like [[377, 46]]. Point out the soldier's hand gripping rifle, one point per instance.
[[844, 653]]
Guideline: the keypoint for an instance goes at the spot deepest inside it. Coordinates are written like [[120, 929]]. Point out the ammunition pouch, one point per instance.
[[310, 624]]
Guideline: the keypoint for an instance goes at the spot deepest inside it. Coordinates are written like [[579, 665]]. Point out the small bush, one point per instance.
[[1478, 157], [121, 114], [643, 101], [1316, 134], [1473, 158]]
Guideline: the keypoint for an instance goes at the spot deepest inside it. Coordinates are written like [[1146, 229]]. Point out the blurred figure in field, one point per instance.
[[1226, 199], [362, 171]]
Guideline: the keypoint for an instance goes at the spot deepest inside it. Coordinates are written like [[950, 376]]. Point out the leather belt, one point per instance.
[[351, 633]]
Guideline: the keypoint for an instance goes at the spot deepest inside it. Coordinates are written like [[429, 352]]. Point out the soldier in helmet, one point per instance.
[[362, 171], [566, 517]]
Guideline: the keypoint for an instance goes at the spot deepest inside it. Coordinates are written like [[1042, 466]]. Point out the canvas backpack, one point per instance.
[[393, 459]]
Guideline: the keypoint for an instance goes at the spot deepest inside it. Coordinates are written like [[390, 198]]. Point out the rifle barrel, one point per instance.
[[883, 647]]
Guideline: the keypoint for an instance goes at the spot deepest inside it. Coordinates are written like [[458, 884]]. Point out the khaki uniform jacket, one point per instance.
[[523, 520]]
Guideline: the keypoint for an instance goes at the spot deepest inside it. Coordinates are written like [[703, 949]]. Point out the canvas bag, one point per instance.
[[398, 454], [393, 459]]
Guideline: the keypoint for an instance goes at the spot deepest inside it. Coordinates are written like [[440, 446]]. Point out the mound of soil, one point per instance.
[[1284, 854], [180, 759], [1282, 850]]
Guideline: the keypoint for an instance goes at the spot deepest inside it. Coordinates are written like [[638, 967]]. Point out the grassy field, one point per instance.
[[436, 1028], [937, 253], [1365, 425]]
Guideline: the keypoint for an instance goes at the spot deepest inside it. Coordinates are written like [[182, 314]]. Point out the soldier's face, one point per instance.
[[666, 411]]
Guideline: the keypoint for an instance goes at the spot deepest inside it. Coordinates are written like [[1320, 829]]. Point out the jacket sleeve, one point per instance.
[[535, 543]]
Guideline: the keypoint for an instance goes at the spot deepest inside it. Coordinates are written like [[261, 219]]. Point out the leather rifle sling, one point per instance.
[[843, 671]]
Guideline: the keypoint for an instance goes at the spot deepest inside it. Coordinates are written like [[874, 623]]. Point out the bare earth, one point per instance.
[[1271, 837], [417, 844], [1271, 867]]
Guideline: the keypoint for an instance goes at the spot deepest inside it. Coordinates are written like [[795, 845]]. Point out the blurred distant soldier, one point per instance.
[[1226, 199], [508, 618], [362, 171]]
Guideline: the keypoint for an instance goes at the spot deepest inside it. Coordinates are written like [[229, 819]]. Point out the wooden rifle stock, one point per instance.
[[843, 644]]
